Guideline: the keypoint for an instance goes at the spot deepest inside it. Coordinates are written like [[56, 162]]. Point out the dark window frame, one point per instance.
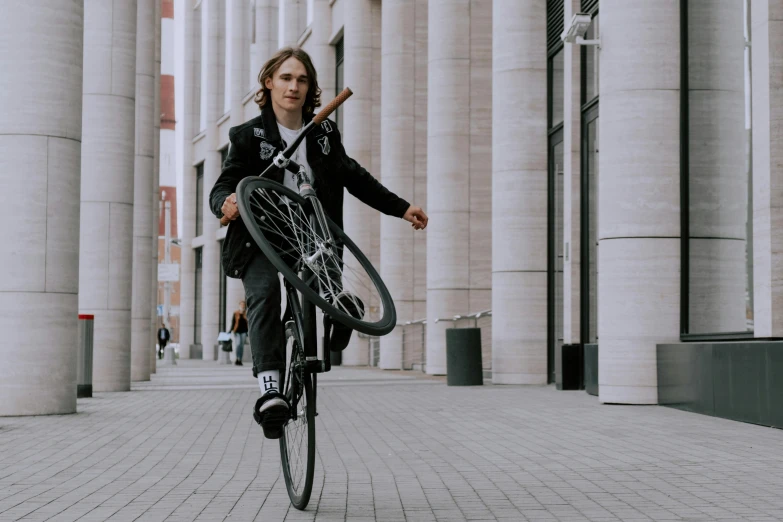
[[589, 111], [223, 296], [554, 22], [556, 136], [199, 228], [223, 156], [198, 293], [685, 232], [339, 55]]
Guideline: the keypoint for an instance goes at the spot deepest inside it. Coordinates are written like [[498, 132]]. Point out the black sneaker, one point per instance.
[[341, 334], [271, 412]]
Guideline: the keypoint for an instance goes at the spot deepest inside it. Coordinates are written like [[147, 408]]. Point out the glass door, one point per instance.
[[555, 255], [589, 268]]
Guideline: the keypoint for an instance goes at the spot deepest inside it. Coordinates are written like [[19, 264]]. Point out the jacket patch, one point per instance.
[[326, 126], [258, 133], [267, 149], [324, 143]]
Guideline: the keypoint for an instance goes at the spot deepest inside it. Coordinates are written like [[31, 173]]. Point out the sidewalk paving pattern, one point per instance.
[[392, 446]]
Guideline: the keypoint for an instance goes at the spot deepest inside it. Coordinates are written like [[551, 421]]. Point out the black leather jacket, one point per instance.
[[255, 143]]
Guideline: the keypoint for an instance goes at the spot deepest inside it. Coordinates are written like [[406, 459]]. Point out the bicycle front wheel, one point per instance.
[[284, 226]]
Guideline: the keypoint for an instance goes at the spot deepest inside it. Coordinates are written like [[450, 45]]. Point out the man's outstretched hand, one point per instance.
[[416, 216]]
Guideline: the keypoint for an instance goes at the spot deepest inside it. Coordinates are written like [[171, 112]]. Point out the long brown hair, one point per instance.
[[313, 97]]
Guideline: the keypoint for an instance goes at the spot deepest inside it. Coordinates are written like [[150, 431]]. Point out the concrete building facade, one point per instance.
[[485, 115], [610, 193]]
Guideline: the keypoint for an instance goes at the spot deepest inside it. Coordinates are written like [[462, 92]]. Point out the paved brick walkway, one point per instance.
[[392, 447]]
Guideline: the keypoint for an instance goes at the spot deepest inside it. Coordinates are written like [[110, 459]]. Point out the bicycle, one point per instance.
[[293, 231]]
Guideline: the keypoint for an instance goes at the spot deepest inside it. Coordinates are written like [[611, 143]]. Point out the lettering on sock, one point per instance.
[[270, 383]]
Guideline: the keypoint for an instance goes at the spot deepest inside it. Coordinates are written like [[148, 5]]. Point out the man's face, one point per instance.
[[288, 85]]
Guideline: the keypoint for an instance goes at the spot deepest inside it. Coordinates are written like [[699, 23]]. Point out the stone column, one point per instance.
[[481, 174], [267, 28], [155, 195], [458, 167], [639, 243], [718, 172], [210, 275], [361, 223], [142, 198], [767, 37], [398, 139], [448, 154], [321, 52], [41, 129], [292, 25], [238, 74], [404, 166], [572, 172], [106, 227], [189, 122], [519, 193], [236, 69]]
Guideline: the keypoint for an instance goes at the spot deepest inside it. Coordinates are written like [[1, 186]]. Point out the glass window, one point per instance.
[[556, 89], [223, 291], [199, 198], [591, 151], [718, 167], [223, 156], [198, 295], [591, 55], [340, 82], [556, 249]]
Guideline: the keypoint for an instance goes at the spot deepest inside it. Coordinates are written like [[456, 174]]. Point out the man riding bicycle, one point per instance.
[[288, 96]]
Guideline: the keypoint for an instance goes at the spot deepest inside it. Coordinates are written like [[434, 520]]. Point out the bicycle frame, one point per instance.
[[303, 316]]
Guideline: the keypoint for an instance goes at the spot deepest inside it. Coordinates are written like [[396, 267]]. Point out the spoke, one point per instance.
[[296, 431], [299, 237]]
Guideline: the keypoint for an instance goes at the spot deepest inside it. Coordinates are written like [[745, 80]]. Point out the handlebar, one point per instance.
[[329, 109], [317, 120]]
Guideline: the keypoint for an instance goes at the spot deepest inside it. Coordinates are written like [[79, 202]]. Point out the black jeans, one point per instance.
[[265, 328]]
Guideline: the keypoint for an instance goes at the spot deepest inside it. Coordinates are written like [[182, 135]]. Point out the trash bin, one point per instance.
[[224, 341], [84, 357], [463, 357]]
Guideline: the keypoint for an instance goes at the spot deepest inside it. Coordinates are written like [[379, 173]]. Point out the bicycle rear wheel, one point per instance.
[[284, 226], [297, 445]]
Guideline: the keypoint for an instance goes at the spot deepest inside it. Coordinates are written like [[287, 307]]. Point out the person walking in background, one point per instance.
[[163, 339], [239, 330]]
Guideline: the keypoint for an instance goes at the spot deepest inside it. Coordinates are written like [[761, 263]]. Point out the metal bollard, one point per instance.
[[84, 357]]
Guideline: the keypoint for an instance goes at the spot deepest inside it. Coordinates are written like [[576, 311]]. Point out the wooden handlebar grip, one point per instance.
[[329, 109]]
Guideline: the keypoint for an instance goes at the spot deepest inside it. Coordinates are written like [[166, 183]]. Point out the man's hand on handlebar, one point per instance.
[[416, 216], [229, 208]]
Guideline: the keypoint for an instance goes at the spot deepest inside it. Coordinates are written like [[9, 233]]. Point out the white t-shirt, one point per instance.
[[300, 156]]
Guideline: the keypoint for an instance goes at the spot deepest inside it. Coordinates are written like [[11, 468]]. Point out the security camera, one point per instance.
[[577, 29]]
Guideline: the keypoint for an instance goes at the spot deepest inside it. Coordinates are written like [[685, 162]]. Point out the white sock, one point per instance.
[[268, 381]]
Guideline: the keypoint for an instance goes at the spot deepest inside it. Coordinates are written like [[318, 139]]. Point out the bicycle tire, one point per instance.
[[299, 476], [250, 211]]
